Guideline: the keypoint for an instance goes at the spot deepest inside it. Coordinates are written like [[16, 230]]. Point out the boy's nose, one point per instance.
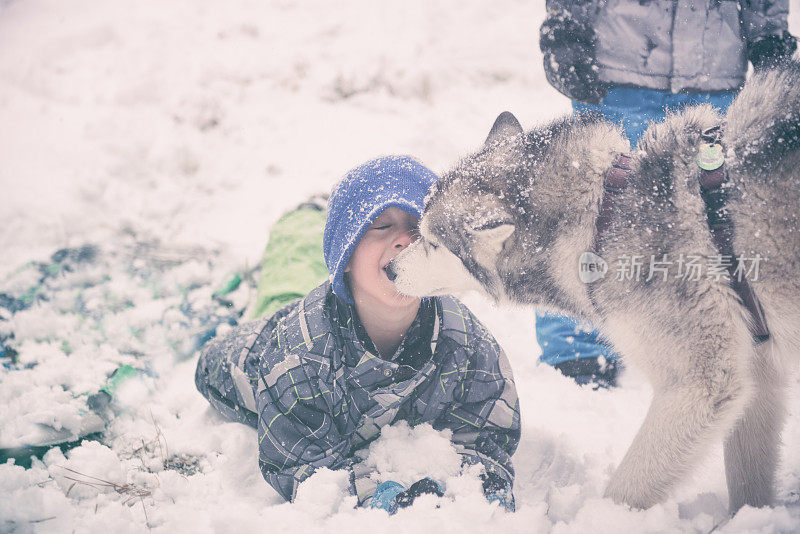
[[403, 239]]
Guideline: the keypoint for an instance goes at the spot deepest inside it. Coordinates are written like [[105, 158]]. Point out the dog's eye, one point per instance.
[[381, 227], [489, 225], [434, 246]]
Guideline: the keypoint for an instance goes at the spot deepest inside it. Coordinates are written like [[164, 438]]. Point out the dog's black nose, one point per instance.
[[390, 272]]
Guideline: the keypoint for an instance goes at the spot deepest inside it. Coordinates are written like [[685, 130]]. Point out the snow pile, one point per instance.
[[75, 319], [405, 454], [401, 454]]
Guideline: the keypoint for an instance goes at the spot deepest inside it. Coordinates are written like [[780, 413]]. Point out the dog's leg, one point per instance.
[[679, 426], [751, 451], [700, 388]]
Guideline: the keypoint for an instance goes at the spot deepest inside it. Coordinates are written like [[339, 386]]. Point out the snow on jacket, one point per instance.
[[318, 398], [675, 45]]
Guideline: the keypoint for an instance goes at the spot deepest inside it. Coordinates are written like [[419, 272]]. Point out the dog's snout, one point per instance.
[[391, 274]]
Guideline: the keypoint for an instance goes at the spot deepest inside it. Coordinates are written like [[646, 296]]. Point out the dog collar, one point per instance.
[[614, 183], [714, 191], [713, 178]]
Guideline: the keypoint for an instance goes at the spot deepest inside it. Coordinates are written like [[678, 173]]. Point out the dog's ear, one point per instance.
[[506, 126], [493, 234]]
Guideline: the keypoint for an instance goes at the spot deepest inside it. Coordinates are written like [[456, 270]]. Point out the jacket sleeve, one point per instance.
[[485, 417], [581, 11], [297, 428], [567, 40], [227, 369], [763, 18], [225, 372]]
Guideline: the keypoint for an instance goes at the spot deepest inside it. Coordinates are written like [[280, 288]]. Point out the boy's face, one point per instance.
[[391, 232]]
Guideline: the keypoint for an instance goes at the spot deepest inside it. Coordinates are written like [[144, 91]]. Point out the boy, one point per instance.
[[321, 376]]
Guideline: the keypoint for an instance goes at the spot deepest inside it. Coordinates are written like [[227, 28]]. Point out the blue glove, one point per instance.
[[504, 497], [421, 487], [498, 490], [385, 496]]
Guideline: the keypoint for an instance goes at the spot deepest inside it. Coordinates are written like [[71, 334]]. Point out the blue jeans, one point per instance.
[[563, 338], [636, 108]]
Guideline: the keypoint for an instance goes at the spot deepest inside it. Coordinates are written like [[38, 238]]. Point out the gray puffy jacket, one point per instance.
[[676, 45], [318, 398]]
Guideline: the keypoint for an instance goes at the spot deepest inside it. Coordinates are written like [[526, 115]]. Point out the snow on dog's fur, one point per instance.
[[513, 219]]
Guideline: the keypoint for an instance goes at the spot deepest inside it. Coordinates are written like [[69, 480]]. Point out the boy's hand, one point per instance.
[[421, 487], [497, 490], [505, 497], [385, 497]]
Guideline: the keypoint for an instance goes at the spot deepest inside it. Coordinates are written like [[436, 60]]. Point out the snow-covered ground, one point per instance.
[[164, 137]]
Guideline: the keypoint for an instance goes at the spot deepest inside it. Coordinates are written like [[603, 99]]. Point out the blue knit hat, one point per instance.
[[360, 197]]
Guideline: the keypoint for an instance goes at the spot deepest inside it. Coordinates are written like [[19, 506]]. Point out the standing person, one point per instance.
[[633, 61], [321, 376]]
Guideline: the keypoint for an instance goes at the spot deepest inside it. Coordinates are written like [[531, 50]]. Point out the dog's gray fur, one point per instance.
[[519, 212]]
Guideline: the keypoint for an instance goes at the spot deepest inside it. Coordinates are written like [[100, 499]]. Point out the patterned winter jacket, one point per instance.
[[318, 398], [675, 45]]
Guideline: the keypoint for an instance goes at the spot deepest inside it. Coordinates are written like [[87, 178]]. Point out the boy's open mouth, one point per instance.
[[390, 275]]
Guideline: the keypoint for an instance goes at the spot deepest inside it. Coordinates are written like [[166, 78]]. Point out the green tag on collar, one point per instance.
[[710, 156]]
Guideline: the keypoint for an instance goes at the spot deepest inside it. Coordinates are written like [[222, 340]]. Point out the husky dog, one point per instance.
[[514, 219]]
